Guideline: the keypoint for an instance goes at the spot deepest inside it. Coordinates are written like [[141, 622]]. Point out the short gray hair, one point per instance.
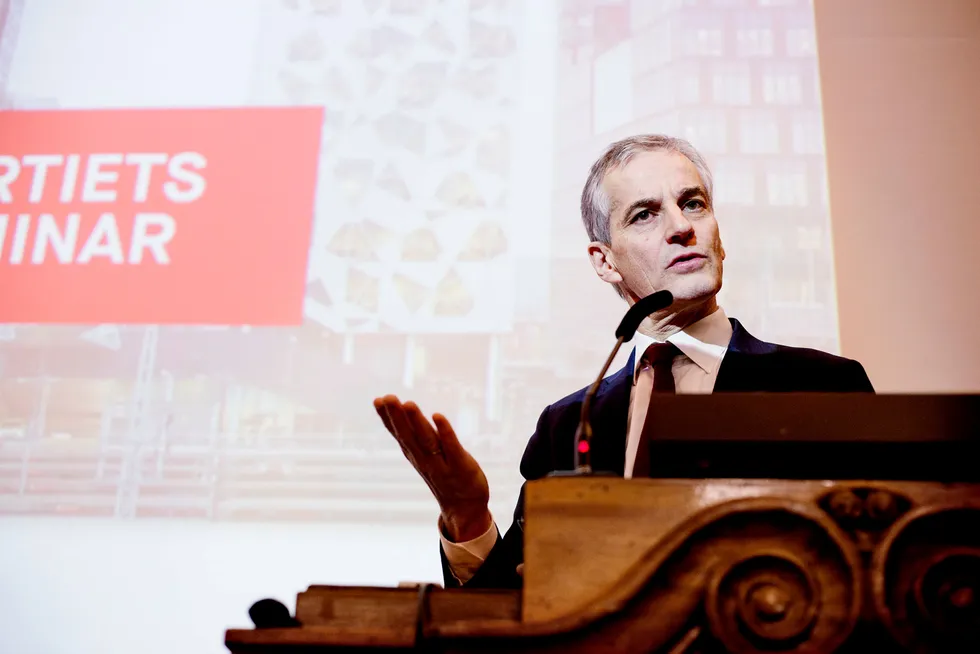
[[595, 204]]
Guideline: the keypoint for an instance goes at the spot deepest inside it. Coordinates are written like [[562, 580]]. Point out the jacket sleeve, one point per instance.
[[857, 380], [499, 570], [448, 578]]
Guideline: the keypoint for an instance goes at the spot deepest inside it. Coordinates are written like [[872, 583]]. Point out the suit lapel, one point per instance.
[[610, 410], [742, 360], [609, 415]]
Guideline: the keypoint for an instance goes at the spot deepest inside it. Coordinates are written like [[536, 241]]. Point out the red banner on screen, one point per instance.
[[199, 216]]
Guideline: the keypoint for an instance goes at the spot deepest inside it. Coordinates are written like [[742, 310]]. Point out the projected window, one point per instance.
[[734, 183], [654, 44], [705, 42], [612, 88], [753, 33], [644, 12], [688, 81], [786, 185], [754, 42], [801, 42], [758, 132], [807, 133], [708, 129], [732, 84], [782, 86], [655, 92]]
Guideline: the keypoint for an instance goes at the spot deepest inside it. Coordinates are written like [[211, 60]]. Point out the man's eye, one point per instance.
[[640, 216], [694, 205]]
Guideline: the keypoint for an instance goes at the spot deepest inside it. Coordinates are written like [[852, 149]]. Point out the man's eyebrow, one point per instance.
[[691, 191], [650, 203], [654, 203]]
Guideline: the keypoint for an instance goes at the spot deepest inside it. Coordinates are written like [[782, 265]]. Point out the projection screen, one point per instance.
[[227, 225]]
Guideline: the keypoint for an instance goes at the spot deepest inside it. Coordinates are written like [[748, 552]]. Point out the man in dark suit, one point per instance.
[[647, 206]]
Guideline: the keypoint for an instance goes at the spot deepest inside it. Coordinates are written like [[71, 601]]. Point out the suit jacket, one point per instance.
[[749, 365]]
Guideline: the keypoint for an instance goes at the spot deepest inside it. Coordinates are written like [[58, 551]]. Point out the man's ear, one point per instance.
[[604, 263]]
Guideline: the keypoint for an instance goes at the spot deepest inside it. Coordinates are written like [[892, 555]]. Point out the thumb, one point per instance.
[[520, 569]]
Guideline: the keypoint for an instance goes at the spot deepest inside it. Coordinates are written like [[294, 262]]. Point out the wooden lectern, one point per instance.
[[713, 565]]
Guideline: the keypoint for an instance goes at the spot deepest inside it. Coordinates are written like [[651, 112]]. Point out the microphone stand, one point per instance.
[[583, 435], [627, 328]]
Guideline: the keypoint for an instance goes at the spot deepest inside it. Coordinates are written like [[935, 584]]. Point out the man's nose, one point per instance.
[[679, 228]]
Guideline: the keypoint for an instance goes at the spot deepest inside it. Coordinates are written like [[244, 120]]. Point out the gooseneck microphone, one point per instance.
[[627, 327]]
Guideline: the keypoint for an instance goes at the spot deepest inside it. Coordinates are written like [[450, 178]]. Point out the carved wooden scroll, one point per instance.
[[666, 566]]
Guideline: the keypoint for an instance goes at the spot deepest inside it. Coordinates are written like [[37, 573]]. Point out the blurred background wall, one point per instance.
[[901, 101]]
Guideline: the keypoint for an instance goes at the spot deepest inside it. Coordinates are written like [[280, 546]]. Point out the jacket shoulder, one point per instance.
[[827, 372], [549, 448], [771, 366]]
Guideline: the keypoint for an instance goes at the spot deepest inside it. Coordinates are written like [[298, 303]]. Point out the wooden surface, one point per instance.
[[692, 566], [602, 537]]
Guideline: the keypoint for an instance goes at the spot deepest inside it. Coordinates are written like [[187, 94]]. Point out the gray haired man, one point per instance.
[[647, 207]]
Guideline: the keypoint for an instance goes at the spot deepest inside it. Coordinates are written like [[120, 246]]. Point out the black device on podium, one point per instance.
[[815, 436]]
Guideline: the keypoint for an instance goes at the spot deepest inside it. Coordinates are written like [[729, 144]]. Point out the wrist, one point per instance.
[[461, 525]]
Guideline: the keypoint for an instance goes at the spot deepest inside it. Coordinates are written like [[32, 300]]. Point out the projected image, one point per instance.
[[445, 257], [417, 201]]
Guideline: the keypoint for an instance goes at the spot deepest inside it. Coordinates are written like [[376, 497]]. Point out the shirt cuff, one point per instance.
[[466, 558]]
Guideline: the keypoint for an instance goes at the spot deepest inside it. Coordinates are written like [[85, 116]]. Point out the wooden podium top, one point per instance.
[[770, 561], [614, 565]]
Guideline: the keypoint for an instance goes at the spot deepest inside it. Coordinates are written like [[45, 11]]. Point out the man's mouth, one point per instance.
[[684, 258]]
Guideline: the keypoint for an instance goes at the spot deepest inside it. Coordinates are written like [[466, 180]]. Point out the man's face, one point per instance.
[[663, 231]]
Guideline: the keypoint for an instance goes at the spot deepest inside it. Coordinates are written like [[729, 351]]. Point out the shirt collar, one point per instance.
[[703, 342]]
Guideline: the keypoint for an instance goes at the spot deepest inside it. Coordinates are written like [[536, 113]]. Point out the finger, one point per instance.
[[520, 569], [447, 436], [389, 408], [380, 408], [406, 431], [425, 433]]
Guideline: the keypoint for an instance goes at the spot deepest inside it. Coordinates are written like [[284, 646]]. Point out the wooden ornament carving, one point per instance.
[[690, 566], [926, 576]]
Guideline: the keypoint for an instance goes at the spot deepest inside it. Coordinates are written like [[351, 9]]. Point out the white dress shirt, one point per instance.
[[702, 347]]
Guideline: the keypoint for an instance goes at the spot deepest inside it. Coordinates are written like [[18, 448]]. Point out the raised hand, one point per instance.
[[452, 474]]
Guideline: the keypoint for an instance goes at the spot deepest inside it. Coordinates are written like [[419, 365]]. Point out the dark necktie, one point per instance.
[[654, 375]]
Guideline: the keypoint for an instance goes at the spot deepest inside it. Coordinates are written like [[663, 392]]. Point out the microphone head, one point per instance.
[[650, 304]]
